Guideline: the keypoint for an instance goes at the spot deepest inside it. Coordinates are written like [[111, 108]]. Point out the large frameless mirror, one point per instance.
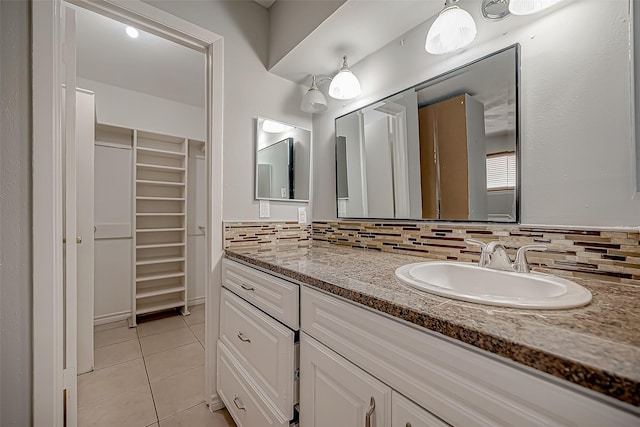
[[283, 154], [446, 149]]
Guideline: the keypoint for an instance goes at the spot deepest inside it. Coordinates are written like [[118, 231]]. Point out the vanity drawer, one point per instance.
[[264, 347], [275, 296], [405, 413], [241, 396], [458, 383]]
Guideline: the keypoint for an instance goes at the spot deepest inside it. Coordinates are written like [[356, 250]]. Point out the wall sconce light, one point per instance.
[[453, 29], [313, 101], [527, 7], [344, 85]]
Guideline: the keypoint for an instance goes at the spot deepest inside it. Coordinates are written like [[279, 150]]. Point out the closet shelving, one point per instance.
[[160, 219]]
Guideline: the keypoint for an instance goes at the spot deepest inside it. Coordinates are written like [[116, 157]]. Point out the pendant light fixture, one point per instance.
[[453, 29], [313, 101], [345, 84], [527, 7]]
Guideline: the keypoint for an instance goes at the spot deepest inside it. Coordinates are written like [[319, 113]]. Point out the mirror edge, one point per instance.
[[518, 217]]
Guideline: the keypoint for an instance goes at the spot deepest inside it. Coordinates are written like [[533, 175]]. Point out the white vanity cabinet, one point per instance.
[[431, 378], [337, 393], [257, 350]]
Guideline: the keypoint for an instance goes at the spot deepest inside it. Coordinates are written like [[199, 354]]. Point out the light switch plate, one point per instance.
[[265, 210], [302, 215]]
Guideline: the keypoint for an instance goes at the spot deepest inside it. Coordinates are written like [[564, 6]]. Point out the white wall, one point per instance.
[[290, 22], [249, 91], [576, 138], [15, 217], [136, 110]]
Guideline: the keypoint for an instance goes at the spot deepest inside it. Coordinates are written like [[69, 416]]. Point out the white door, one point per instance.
[[70, 227], [335, 392], [85, 140]]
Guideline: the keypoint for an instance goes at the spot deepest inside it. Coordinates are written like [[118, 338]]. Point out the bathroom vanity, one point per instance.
[[375, 352]]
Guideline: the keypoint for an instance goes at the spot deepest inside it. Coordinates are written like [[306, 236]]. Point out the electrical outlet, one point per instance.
[[265, 211], [283, 193], [302, 215]]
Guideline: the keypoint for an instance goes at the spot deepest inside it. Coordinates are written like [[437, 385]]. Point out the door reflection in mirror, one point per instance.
[[283, 154], [430, 151]]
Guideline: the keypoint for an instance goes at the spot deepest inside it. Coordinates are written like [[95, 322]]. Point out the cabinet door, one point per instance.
[[335, 392], [405, 413]]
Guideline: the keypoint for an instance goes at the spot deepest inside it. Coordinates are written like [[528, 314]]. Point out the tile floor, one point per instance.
[[152, 375]]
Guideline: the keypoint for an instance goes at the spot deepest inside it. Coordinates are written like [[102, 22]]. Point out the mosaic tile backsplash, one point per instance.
[[248, 234], [608, 255]]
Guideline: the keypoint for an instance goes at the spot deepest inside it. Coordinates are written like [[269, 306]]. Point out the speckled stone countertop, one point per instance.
[[597, 346]]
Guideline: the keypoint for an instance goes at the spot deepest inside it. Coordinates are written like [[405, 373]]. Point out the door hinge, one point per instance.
[[296, 374]]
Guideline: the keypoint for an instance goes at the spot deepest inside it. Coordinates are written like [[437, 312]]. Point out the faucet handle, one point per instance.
[[475, 242], [484, 255], [521, 265]]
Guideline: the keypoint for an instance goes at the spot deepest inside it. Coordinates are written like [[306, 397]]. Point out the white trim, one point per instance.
[[47, 216], [215, 403], [196, 301], [110, 318], [47, 184]]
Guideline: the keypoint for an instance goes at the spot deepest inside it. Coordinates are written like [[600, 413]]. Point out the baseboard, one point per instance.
[[215, 403], [112, 317], [195, 301], [122, 315]]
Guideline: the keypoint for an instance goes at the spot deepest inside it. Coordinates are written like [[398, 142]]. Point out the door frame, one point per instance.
[[48, 349]]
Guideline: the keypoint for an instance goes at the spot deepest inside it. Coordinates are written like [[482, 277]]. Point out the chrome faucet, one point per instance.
[[495, 256]]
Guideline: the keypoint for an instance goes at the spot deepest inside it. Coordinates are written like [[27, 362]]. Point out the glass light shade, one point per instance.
[[313, 101], [527, 7], [345, 84], [274, 127], [453, 29]]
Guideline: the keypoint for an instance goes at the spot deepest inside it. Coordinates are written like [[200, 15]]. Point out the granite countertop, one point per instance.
[[597, 346]]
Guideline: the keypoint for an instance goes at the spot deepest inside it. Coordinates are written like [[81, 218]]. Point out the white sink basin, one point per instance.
[[469, 282]]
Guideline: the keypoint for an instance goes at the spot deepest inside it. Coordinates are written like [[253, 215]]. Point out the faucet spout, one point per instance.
[[498, 257]]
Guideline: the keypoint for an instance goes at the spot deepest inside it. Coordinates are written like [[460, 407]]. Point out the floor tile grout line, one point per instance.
[[184, 410], [178, 373], [172, 348], [107, 345], [153, 399]]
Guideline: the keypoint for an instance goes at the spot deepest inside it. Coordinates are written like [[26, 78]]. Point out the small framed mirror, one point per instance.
[[283, 157]]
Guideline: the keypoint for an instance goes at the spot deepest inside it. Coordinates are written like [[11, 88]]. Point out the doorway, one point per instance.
[[55, 387]]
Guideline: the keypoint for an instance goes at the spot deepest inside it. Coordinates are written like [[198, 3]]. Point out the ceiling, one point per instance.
[[358, 28], [155, 66], [265, 3], [147, 64]]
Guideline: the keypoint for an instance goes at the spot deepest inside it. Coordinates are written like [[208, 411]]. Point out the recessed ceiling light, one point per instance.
[[132, 32]]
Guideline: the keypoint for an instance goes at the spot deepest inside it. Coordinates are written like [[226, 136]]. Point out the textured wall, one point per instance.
[[15, 216], [576, 134]]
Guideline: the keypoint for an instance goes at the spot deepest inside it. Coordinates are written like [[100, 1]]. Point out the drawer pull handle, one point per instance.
[[246, 288], [372, 408], [240, 406], [243, 338]]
